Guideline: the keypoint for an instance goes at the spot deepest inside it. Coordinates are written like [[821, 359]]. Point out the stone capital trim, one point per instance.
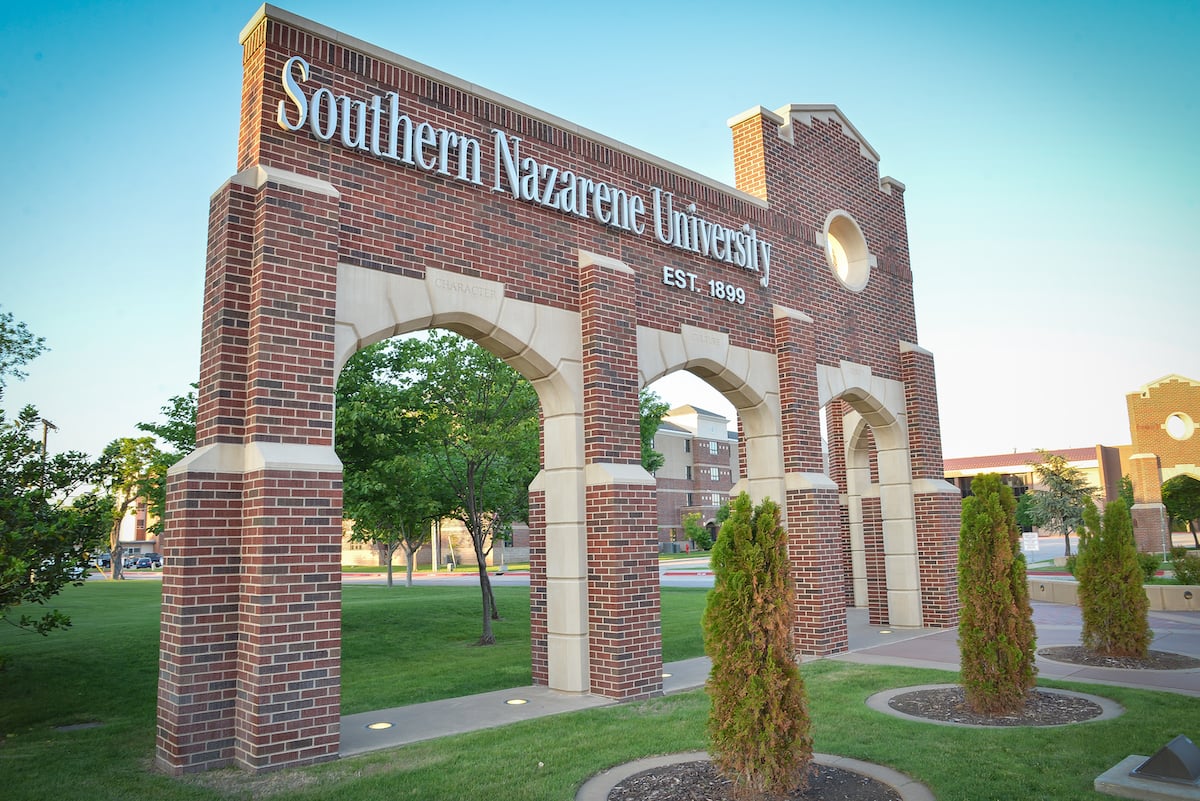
[[911, 347], [258, 176], [809, 482], [226, 457], [934, 486], [600, 474], [753, 112], [586, 257], [781, 312]]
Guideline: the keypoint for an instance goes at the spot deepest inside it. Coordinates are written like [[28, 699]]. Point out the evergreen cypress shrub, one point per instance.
[[758, 725], [996, 636], [1111, 596]]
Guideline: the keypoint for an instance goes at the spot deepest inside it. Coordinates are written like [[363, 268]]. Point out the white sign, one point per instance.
[[379, 127], [1029, 541]]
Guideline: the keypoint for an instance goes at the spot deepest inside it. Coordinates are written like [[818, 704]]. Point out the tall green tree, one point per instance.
[[18, 347], [758, 725], [128, 470], [178, 433], [1112, 598], [48, 521], [479, 419], [651, 409], [1057, 506], [996, 635], [1181, 496], [386, 489]]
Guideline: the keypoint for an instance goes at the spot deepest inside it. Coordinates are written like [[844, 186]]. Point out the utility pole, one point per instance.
[[46, 426]]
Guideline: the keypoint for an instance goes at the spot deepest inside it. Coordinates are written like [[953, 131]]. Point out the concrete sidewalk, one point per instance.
[[1177, 632]]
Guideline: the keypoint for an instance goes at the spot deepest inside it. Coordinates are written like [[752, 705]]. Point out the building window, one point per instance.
[[712, 447], [714, 474], [687, 446], [690, 500], [689, 472]]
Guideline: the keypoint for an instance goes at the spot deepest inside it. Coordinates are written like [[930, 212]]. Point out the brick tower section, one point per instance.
[[811, 510], [936, 504], [250, 647], [625, 634], [538, 621], [1159, 454], [1149, 513]]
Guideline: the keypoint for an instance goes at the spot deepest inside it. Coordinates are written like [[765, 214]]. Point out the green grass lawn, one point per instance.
[[408, 645]]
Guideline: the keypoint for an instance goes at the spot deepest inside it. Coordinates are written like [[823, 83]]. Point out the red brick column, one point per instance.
[[251, 637], [538, 631], [1150, 524], [877, 601], [937, 504], [811, 507], [625, 645]]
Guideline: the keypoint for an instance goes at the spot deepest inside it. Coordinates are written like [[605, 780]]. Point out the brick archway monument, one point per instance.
[[375, 196]]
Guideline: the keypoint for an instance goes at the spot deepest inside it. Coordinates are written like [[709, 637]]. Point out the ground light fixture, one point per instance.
[[516, 701], [380, 725], [666, 675]]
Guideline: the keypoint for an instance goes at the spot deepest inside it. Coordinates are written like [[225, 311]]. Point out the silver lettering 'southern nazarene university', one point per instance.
[[378, 126], [373, 197]]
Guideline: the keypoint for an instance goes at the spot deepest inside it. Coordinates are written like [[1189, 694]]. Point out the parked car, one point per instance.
[[102, 560], [155, 558], [130, 562], [144, 562]]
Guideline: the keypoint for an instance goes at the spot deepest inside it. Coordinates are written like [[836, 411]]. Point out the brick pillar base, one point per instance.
[[938, 521], [624, 614], [1150, 527], [877, 602], [814, 548], [538, 645], [249, 672]]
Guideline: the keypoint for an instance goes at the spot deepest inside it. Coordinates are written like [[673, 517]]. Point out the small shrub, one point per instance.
[[1112, 598], [696, 532], [1072, 563], [758, 725], [1178, 552], [1186, 569], [996, 636], [1149, 562]]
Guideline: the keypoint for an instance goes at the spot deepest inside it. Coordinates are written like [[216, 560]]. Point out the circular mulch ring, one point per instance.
[[692, 777], [1154, 660], [945, 705]]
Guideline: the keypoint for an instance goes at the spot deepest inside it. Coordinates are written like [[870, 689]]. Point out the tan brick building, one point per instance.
[[1165, 444]]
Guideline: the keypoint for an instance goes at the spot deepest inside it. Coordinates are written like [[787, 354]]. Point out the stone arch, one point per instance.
[[878, 405], [543, 344], [748, 379]]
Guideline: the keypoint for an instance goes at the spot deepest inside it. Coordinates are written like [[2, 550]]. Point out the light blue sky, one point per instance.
[[1049, 150]]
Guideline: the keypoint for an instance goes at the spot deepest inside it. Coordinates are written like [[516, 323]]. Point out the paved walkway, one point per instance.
[[1177, 632]]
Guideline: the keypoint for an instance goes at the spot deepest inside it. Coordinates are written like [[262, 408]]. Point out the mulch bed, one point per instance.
[[700, 781], [1154, 660], [1042, 708]]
